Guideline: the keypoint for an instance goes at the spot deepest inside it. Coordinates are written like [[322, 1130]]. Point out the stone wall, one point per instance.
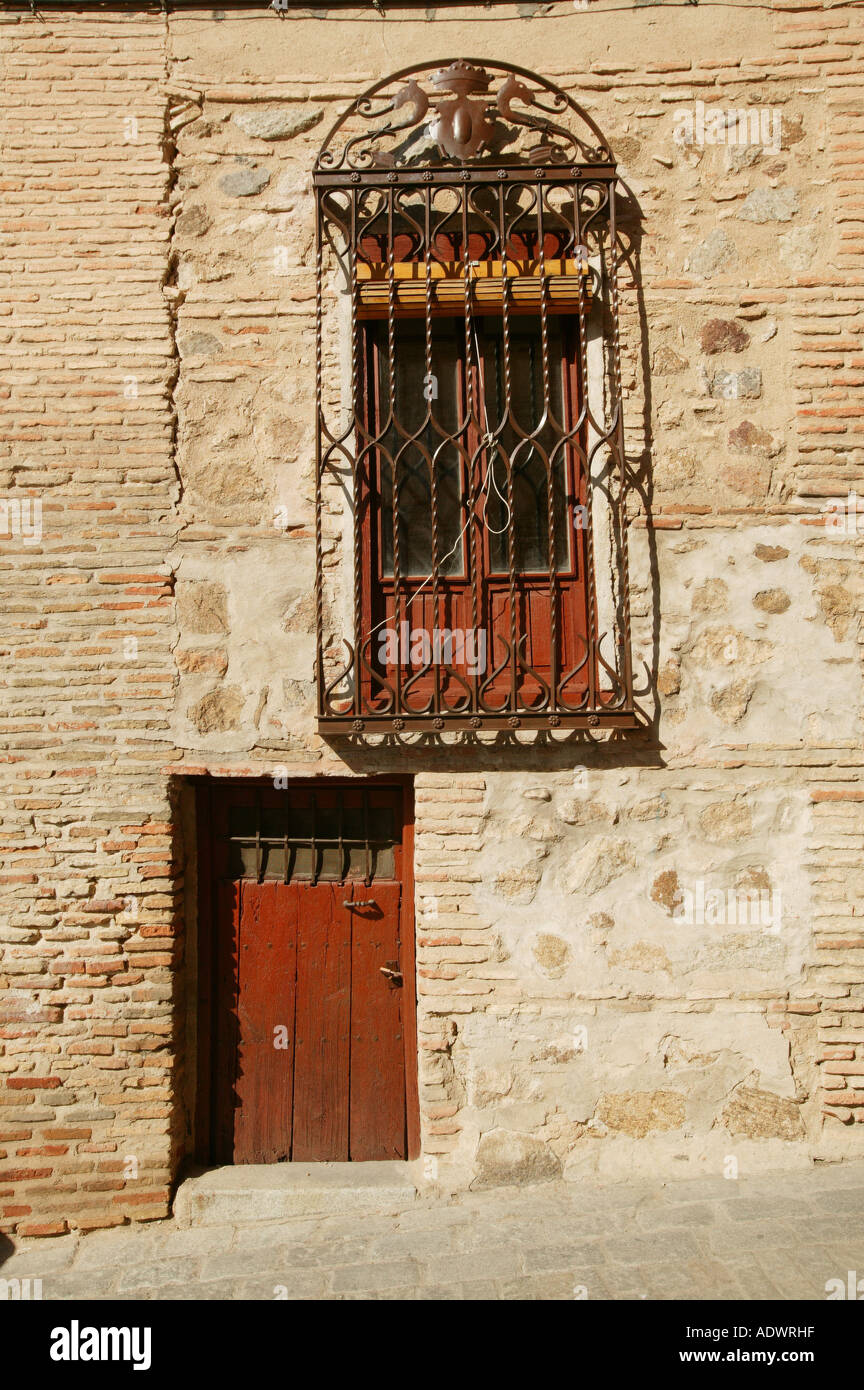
[[157, 374]]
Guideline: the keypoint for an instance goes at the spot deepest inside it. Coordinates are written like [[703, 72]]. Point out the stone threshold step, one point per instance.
[[279, 1191]]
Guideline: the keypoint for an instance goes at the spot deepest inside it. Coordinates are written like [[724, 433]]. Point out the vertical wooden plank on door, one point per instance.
[[267, 968], [405, 872], [207, 996], [377, 1125], [323, 1016], [227, 897], [538, 625]]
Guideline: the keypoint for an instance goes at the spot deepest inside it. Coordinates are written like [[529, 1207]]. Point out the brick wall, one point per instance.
[[156, 391], [88, 879]]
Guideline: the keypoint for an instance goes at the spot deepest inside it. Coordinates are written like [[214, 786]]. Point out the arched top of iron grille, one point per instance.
[[462, 113]]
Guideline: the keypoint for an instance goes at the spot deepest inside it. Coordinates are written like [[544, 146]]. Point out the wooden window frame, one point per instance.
[[571, 590]]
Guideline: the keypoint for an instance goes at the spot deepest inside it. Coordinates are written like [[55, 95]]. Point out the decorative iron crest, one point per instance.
[[445, 115]]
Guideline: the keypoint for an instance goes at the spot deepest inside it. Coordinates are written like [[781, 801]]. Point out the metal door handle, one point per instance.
[[359, 902], [391, 973]]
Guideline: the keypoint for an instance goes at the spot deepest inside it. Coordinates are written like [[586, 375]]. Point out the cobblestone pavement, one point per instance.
[[776, 1236]]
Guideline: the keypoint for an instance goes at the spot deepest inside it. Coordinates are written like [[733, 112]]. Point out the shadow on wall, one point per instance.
[[639, 474]]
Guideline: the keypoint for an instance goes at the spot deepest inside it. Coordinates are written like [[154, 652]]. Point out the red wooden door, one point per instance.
[[310, 1058]]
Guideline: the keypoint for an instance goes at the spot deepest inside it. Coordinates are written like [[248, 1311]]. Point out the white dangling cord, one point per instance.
[[490, 473], [489, 441]]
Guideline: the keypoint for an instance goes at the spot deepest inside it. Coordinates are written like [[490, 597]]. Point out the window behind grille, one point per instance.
[[471, 447]]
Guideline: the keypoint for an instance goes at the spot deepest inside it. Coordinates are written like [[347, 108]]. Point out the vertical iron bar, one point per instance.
[[433, 481], [590, 588], [511, 548], [355, 461], [394, 433], [550, 462], [340, 803], [474, 465], [285, 874], [313, 837], [367, 878], [624, 658]]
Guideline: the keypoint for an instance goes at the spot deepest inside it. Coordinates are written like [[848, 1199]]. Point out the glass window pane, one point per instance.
[[242, 821], [327, 823], [354, 823], [529, 461], [300, 823], [274, 822], [418, 392], [380, 823]]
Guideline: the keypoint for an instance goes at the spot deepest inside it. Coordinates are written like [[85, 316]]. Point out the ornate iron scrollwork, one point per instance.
[[468, 122]]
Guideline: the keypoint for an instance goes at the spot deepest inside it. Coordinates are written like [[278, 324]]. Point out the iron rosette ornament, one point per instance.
[[446, 116]]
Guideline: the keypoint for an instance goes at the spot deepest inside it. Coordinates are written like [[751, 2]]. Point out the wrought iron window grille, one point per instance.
[[470, 467]]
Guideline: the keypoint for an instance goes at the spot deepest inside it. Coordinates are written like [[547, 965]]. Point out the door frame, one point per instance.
[[205, 789]]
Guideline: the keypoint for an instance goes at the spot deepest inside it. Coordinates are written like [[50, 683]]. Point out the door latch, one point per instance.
[[391, 972], [359, 902]]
